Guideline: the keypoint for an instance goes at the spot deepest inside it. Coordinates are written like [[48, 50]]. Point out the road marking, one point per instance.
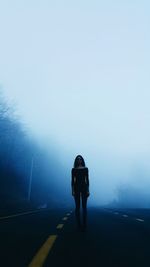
[[125, 216], [65, 219], [20, 214], [139, 220], [60, 226], [42, 254]]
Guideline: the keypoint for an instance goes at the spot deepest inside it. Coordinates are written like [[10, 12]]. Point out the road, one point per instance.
[[114, 238]]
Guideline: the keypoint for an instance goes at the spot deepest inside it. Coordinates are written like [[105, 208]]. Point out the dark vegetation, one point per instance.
[[17, 150], [131, 197]]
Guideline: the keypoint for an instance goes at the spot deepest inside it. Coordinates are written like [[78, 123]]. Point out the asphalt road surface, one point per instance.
[[49, 238]]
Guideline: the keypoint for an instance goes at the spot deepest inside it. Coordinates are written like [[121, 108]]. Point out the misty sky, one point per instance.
[[78, 72]]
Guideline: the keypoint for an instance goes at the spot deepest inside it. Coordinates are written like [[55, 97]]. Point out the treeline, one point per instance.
[[131, 197], [19, 157]]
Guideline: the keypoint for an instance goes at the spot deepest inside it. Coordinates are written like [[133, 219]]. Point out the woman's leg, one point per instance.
[[84, 207], [77, 209]]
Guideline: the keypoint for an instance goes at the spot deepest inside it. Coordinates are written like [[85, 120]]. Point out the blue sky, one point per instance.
[[78, 72]]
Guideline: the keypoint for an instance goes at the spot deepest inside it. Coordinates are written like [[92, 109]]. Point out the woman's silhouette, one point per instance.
[[80, 189]]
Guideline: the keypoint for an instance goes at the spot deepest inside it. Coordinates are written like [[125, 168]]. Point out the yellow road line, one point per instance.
[[60, 226], [42, 254], [65, 219]]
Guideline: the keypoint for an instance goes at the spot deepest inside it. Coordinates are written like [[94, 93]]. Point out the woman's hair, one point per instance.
[[76, 164]]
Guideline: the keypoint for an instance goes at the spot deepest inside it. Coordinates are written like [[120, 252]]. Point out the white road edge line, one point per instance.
[[139, 220], [21, 214]]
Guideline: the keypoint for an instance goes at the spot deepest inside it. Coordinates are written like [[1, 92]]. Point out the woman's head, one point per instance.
[[79, 161]]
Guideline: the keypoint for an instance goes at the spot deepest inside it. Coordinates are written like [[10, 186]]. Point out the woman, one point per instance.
[[80, 188]]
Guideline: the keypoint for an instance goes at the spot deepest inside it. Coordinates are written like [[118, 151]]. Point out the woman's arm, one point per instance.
[[73, 178], [87, 181]]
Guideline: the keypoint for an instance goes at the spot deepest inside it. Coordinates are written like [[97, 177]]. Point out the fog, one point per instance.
[[77, 74]]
